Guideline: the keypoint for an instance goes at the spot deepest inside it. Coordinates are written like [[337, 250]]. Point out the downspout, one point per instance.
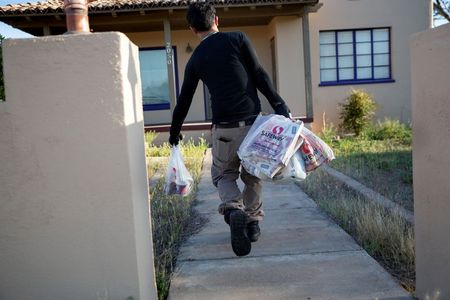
[[170, 64], [307, 65], [77, 20]]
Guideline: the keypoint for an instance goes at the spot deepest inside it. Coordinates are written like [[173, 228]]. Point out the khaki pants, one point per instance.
[[225, 172]]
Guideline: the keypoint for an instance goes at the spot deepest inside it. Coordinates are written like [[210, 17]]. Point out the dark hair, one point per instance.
[[200, 16]]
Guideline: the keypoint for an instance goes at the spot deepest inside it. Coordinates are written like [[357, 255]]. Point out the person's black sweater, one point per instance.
[[228, 65]]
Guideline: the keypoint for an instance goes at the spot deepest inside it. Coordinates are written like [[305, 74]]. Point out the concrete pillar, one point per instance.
[[170, 62], [307, 65], [74, 211], [430, 53]]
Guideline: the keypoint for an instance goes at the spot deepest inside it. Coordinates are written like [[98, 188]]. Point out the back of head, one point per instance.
[[200, 16]]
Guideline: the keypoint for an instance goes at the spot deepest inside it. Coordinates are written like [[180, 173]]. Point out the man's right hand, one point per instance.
[[282, 110], [175, 139]]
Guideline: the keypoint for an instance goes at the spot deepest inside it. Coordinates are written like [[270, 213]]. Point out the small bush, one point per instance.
[[390, 129], [357, 111]]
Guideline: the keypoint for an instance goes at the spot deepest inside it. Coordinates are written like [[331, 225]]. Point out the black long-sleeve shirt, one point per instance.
[[228, 65]]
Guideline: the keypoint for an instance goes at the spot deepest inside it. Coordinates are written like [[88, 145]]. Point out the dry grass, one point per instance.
[[385, 236], [172, 216], [381, 158]]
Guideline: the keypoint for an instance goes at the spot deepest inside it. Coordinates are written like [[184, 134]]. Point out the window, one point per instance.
[[155, 78], [355, 56]]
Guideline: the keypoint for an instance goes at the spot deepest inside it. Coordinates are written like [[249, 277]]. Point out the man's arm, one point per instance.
[[263, 82], [180, 111]]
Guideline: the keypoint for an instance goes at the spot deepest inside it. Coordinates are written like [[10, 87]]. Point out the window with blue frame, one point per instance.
[[355, 56], [155, 78]]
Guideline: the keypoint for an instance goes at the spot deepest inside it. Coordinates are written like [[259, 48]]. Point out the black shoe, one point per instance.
[[238, 226], [253, 231]]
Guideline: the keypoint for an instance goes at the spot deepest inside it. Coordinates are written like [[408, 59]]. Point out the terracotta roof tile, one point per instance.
[[56, 6]]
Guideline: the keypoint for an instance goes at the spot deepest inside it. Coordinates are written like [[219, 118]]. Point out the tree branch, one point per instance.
[[441, 8]]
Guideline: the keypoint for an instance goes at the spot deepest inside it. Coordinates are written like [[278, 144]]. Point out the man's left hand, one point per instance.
[[175, 139]]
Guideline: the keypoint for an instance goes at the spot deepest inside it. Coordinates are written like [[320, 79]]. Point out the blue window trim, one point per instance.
[[355, 65], [353, 82], [164, 106], [158, 106]]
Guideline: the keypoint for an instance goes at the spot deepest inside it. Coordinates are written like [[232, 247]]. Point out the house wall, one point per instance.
[[405, 17], [430, 52], [289, 60]]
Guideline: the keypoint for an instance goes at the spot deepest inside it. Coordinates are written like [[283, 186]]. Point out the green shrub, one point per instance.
[[390, 129], [357, 111]]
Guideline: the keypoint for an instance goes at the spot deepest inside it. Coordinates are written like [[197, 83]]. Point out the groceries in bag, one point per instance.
[[269, 145], [314, 151], [178, 179], [279, 149], [295, 170]]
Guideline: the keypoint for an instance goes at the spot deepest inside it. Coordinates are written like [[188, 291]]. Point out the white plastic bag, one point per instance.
[[269, 144], [178, 179], [295, 170], [314, 151]]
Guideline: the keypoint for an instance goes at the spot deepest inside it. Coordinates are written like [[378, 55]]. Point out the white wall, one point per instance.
[[431, 161], [290, 65], [74, 211], [405, 17]]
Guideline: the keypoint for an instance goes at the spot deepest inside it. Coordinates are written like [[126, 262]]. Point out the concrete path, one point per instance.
[[301, 254]]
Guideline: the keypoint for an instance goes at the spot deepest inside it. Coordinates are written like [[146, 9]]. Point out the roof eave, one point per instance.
[[94, 10]]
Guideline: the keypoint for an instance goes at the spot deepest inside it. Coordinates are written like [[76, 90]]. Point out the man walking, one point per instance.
[[227, 64]]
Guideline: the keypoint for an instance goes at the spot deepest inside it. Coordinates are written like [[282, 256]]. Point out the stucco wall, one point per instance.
[[405, 17], [430, 56], [289, 61], [74, 211]]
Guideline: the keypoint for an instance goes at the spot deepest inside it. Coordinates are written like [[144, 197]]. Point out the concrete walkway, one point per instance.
[[301, 254]]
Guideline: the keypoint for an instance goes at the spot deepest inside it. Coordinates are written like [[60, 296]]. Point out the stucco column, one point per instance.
[[74, 209], [430, 56], [307, 64]]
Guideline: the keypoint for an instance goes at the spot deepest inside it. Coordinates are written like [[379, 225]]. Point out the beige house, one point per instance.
[[315, 51]]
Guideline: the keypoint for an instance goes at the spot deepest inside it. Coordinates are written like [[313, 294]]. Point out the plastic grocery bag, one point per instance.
[[178, 179], [295, 170], [269, 144], [314, 151]]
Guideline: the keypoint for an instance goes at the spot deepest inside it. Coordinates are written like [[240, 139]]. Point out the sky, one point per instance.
[[10, 32]]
